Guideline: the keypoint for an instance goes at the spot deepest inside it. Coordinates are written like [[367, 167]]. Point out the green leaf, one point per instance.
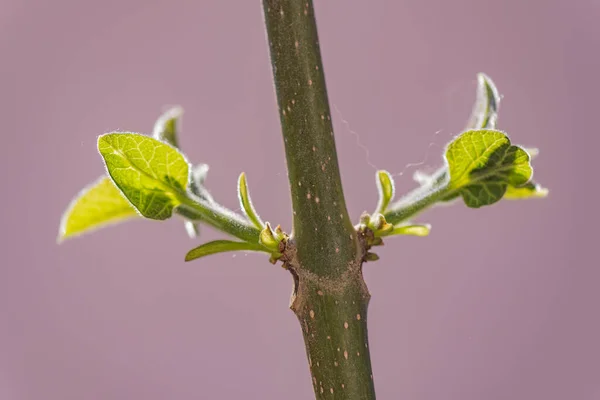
[[98, 205], [530, 190], [246, 203], [487, 102], [222, 246], [385, 187], [269, 239], [166, 127], [414, 230], [483, 163], [151, 174], [379, 225]]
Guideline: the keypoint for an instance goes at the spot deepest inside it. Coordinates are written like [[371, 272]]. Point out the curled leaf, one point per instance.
[[221, 246], [376, 222], [487, 103], [365, 219], [385, 187], [268, 239], [246, 203], [166, 127]]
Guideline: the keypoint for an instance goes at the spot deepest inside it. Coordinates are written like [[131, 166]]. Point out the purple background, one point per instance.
[[498, 303]]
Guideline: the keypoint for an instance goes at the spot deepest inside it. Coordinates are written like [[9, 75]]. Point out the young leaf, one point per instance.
[[151, 174], [246, 203], [482, 164], [196, 186], [97, 205], [414, 230], [166, 127], [269, 239], [487, 102], [487, 167], [528, 191], [379, 225], [385, 187], [221, 246]]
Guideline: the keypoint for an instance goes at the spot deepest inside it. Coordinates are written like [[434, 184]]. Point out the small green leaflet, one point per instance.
[[483, 163], [167, 126], [414, 230], [407, 229], [98, 205], [530, 190], [385, 188], [246, 202], [221, 246], [487, 103], [270, 239], [151, 174]]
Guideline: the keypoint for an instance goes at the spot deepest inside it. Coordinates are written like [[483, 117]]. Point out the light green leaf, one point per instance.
[[99, 204], [385, 187], [379, 225], [166, 127], [487, 103], [151, 174], [413, 230], [270, 239], [246, 202], [221, 246], [483, 163], [530, 190]]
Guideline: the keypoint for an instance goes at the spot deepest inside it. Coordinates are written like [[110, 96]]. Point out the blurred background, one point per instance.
[[497, 303]]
